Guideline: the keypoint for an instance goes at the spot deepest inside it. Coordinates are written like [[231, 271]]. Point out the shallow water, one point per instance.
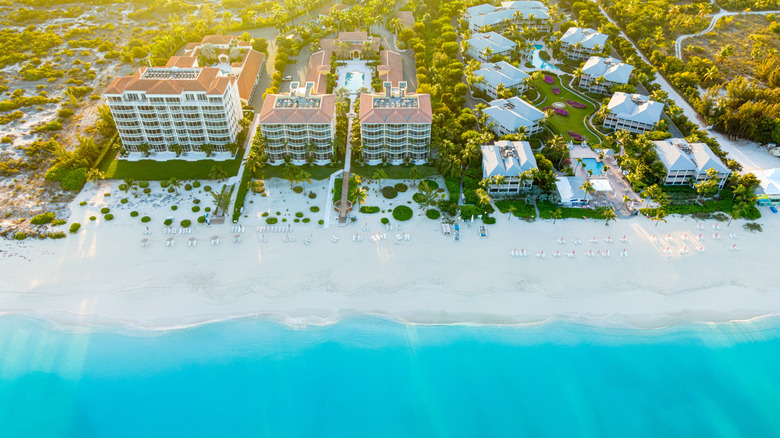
[[373, 377]]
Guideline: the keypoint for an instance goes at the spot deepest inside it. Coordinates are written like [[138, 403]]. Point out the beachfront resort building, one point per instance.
[[298, 126], [688, 163], [580, 43], [500, 73], [185, 105], [513, 115], [507, 160], [768, 191], [520, 13], [599, 74], [484, 46], [395, 126], [635, 113], [570, 191]]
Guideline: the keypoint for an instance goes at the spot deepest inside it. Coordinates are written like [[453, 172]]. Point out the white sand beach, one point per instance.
[[103, 275]]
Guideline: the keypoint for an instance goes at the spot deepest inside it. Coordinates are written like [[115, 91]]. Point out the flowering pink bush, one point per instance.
[[575, 104], [548, 79], [561, 112], [575, 136], [556, 90]]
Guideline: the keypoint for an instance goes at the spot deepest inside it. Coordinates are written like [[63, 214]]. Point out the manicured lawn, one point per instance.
[[395, 172], [575, 121], [151, 170], [317, 172]]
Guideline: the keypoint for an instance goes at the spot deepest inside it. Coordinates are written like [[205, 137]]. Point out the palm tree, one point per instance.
[[207, 149], [579, 163], [482, 197], [415, 175], [175, 183], [221, 200], [359, 195], [557, 214], [227, 18], [176, 148], [145, 149], [379, 175], [217, 173], [609, 215], [395, 25], [290, 173], [129, 184], [588, 188], [660, 214], [511, 210], [94, 175], [254, 162], [626, 198]]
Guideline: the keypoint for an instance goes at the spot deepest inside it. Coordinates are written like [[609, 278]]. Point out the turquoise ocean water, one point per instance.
[[372, 377]]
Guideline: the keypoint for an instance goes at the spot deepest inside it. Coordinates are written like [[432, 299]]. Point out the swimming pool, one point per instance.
[[539, 62], [592, 163], [354, 80]]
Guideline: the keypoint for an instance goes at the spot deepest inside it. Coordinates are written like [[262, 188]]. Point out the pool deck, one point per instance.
[[353, 66]]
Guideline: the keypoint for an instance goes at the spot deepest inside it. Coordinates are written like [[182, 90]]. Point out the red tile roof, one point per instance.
[[370, 114], [391, 67], [319, 67], [250, 72], [207, 81], [218, 39], [324, 114]]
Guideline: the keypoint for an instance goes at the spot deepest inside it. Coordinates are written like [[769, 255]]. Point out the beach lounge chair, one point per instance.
[[334, 239]]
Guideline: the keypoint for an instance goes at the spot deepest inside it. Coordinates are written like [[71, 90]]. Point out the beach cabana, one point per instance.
[[570, 192]]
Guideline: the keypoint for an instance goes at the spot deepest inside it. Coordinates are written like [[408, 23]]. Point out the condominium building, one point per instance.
[[351, 42], [167, 106], [507, 159], [483, 46], [519, 13], [395, 127], [500, 73], [510, 116], [611, 71], [688, 163], [635, 113], [581, 43], [298, 126]]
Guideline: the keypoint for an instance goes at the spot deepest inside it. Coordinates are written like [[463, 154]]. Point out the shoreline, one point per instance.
[[102, 276]]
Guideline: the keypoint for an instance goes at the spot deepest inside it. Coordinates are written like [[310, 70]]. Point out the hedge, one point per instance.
[[186, 223], [433, 214], [243, 188], [389, 192], [74, 227], [42, 219], [271, 220], [522, 209], [75, 179], [369, 209], [402, 213], [453, 186]]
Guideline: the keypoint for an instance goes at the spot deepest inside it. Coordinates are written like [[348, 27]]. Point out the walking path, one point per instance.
[[247, 147], [345, 176], [713, 22]]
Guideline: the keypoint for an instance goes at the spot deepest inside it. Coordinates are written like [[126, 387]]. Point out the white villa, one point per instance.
[[633, 112], [298, 125], [612, 72], [570, 192], [510, 115], [520, 13], [507, 159], [500, 73], [689, 162], [768, 191], [395, 127], [580, 43], [483, 46]]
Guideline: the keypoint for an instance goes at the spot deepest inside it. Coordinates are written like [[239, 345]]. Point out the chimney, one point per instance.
[[293, 88], [309, 87], [402, 88], [388, 88]]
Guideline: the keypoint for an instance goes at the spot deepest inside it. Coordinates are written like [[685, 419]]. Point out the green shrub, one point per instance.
[[401, 187], [418, 197], [488, 220], [147, 190], [165, 184], [207, 209], [284, 220], [402, 213], [389, 192], [75, 179], [188, 187], [469, 211], [109, 217], [196, 184], [174, 207], [320, 222], [143, 184], [83, 203], [56, 235], [201, 219], [385, 220], [265, 214], [133, 213], [74, 227], [20, 236], [57, 222], [124, 201], [146, 219], [104, 210], [123, 187], [171, 189], [305, 220], [296, 220], [92, 218], [186, 223], [42, 219], [206, 188], [197, 201], [314, 209], [271, 220], [298, 214], [369, 209], [432, 184], [433, 214], [195, 209], [522, 209], [312, 195], [298, 189], [168, 222], [106, 194]]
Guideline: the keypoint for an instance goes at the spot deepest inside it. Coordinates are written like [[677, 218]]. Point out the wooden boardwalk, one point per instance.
[[345, 177]]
